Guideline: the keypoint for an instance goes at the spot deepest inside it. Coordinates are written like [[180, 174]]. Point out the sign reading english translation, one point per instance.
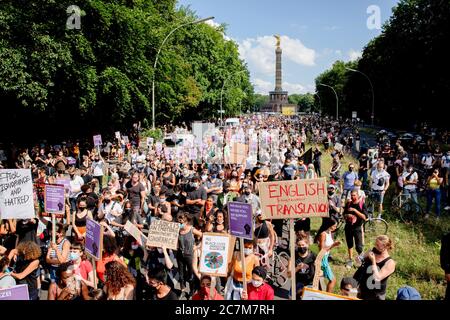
[[294, 198]]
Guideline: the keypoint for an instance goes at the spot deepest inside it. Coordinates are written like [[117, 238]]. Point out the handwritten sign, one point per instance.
[[19, 292], [215, 254], [241, 219], [117, 133], [135, 233], [312, 294], [54, 199], [149, 142], [239, 152], [163, 234], [294, 199], [94, 239], [16, 194], [97, 140]]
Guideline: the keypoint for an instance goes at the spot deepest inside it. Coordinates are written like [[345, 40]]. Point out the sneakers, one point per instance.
[[349, 264], [447, 208]]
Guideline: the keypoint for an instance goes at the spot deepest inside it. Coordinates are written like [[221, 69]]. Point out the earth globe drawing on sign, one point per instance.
[[214, 260]]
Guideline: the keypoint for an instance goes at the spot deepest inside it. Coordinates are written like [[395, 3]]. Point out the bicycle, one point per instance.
[[276, 266], [374, 226], [409, 210]]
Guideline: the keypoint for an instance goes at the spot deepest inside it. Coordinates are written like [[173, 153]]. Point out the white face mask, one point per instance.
[[134, 246], [256, 283], [248, 251]]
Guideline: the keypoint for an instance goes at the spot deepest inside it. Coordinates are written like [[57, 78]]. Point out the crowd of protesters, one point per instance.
[[123, 181]]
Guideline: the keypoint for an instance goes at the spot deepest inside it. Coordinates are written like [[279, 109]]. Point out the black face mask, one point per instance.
[[376, 251], [128, 210], [107, 200], [247, 192], [302, 250], [330, 193]]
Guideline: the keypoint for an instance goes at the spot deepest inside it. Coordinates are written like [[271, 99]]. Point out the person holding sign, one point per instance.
[[304, 264], [258, 289], [97, 169], [264, 236], [235, 282], [326, 242], [58, 252]]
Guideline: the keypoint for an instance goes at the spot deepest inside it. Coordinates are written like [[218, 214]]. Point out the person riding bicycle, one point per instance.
[[379, 184]]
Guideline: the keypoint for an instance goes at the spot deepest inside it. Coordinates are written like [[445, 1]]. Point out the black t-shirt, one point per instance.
[[303, 225], [305, 276], [361, 208], [87, 178], [363, 161], [200, 193], [26, 230], [180, 199], [170, 296], [134, 193]]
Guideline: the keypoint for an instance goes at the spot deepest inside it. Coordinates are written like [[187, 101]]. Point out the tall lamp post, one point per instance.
[[320, 102], [221, 92], [371, 87], [156, 61], [337, 99]]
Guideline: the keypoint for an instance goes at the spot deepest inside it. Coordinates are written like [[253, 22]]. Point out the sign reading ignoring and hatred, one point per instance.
[[94, 239], [163, 234], [97, 140], [215, 254], [19, 292], [241, 219], [294, 199], [135, 233], [16, 194], [239, 153], [54, 199]]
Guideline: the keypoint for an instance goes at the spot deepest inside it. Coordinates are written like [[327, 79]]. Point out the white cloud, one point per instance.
[[354, 55], [212, 23], [262, 87], [259, 53]]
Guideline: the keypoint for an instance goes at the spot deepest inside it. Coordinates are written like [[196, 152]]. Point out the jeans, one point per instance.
[[436, 194], [363, 177], [412, 193]]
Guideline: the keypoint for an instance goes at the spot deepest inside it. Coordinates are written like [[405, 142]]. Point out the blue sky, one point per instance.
[[315, 33]]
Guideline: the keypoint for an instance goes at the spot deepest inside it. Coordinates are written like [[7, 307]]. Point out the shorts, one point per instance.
[[378, 196], [327, 272]]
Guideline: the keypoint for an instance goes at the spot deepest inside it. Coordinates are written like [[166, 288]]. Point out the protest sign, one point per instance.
[[71, 161], [215, 254], [294, 199], [97, 140], [54, 199], [19, 292], [163, 234], [125, 139], [312, 294], [158, 148], [241, 219], [16, 194], [135, 233], [238, 152], [149, 141], [94, 239], [117, 133]]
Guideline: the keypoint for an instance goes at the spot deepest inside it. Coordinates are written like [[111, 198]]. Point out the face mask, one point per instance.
[[247, 192], [213, 177], [248, 251], [205, 291], [74, 256], [219, 221], [107, 200], [302, 250], [181, 225], [134, 246], [97, 159], [128, 211], [162, 199], [330, 193], [256, 283], [176, 193], [376, 251], [204, 178]]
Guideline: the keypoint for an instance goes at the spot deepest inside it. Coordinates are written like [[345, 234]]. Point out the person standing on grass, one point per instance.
[[434, 183], [348, 181], [379, 184], [445, 262]]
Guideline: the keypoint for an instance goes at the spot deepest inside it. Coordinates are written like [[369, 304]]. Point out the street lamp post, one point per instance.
[[371, 87], [221, 92], [156, 61], [337, 99], [320, 102]]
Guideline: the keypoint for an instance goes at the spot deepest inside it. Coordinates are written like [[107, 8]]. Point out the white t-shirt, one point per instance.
[[428, 161], [413, 177], [379, 179], [446, 161], [97, 167], [107, 209], [75, 184]]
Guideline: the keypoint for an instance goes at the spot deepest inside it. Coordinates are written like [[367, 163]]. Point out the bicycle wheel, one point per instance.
[[395, 205], [411, 212], [280, 268], [375, 227]]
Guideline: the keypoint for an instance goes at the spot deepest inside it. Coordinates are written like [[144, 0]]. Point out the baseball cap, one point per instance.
[[408, 293]]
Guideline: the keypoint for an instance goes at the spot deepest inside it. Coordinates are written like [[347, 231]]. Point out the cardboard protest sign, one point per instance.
[[16, 194], [117, 133], [294, 199], [238, 153], [54, 199], [19, 292], [163, 234], [215, 254], [135, 233], [312, 294], [94, 239], [97, 140], [241, 219]]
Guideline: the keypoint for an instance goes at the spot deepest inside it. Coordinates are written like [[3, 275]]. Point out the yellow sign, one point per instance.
[[288, 110]]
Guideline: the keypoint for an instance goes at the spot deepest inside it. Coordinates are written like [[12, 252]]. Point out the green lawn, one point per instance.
[[416, 250]]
